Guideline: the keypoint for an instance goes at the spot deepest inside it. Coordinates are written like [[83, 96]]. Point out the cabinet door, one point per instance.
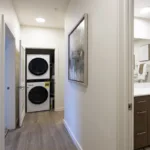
[[149, 121], [141, 122], [141, 132]]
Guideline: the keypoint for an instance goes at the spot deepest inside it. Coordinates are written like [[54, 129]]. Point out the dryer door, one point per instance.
[[38, 66], [38, 95]]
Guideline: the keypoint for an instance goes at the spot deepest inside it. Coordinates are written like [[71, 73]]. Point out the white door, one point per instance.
[[2, 80], [22, 86], [10, 74]]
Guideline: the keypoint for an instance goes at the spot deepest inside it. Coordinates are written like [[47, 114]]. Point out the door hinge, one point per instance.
[[130, 106]]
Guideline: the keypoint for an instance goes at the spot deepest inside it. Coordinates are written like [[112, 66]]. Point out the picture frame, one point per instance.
[[78, 52]]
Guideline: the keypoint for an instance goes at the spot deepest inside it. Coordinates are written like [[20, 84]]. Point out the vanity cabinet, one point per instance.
[[141, 122], [148, 121]]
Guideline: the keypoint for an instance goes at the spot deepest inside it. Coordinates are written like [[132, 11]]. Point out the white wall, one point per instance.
[[6, 8], [141, 28], [48, 38], [91, 113]]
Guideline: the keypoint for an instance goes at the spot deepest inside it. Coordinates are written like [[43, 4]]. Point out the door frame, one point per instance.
[[125, 117], [21, 87], [2, 82]]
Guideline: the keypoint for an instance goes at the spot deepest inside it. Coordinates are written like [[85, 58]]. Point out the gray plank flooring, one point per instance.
[[40, 131]]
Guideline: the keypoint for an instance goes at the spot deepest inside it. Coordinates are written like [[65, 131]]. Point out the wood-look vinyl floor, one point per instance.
[[40, 131]]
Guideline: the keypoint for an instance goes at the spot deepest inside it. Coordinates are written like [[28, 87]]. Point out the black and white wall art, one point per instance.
[[78, 52]]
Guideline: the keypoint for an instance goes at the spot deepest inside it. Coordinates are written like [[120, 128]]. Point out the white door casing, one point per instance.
[[125, 75], [2, 80], [22, 86]]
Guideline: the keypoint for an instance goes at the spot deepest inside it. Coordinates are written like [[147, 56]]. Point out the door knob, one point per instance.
[[21, 87]]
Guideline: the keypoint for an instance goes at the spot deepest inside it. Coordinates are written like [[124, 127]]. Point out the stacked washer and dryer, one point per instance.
[[38, 82]]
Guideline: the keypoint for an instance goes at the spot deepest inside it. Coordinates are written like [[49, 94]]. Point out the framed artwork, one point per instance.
[[78, 52]]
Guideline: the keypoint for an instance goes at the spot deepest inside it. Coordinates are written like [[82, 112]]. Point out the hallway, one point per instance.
[[40, 131]]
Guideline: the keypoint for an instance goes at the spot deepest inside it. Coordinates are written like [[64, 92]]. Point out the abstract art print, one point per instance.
[[78, 52]]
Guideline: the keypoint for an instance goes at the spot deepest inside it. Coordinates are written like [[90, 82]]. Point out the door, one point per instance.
[[2, 80], [38, 66], [10, 80], [38, 95], [22, 86]]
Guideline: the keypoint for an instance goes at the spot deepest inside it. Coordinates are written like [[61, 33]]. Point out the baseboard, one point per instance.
[[59, 109], [75, 141], [21, 121], [17, 123]]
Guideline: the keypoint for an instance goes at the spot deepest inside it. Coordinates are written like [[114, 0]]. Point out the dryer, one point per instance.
[[38, 96], [38, 66]]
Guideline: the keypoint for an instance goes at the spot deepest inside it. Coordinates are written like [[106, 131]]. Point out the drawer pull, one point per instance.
[[141, 102], [141, 133], [141, 112]]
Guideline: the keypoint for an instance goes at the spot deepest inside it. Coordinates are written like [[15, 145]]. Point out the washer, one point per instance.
[[38, 66], [38, 96]]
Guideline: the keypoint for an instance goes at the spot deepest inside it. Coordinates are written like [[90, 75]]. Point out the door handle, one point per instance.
[[141, 112], [141, 133], [21, 87], [144, 101]]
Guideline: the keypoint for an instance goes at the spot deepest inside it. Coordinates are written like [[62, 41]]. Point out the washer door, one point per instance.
[[38, 66], [38, 95]]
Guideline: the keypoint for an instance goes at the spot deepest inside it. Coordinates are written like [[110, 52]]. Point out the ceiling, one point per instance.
[[138, 6], [52, 10]]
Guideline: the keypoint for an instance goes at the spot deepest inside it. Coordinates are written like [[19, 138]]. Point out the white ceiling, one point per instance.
[[139, 5], [52, 10]]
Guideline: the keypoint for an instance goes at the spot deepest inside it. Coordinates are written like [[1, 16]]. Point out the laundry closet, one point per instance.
[[40, 80]]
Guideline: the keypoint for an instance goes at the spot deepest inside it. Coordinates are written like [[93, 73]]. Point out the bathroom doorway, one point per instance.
[[141, 75]]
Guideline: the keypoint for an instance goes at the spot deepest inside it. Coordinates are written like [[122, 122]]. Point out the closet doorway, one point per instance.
[[40, 68]]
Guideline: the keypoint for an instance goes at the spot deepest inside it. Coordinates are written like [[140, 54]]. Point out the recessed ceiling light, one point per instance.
[[145, 10], [40, 20]]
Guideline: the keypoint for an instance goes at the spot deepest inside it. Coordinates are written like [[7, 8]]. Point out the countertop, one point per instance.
[[141, 89], [141, 92]]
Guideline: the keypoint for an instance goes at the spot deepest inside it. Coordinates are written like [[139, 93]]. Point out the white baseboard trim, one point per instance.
[[75, 141], [59, 109]]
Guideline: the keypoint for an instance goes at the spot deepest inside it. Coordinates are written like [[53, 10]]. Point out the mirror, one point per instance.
[[141, 61]]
